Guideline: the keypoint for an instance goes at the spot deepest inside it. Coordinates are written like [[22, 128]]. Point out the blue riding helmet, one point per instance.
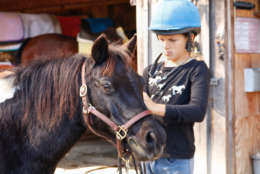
[[175, 17]]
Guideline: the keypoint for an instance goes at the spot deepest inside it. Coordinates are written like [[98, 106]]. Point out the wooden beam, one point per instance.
[[142, 7], [229, 86], [31, 5]]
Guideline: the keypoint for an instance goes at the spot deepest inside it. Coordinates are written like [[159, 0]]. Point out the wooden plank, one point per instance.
[[241, 61], [247, 140], [257, 11], [124, 15], [200, 156], [142, 34], [99, 11], [229, 86], [216, 138], [28, 5], [202, 131]]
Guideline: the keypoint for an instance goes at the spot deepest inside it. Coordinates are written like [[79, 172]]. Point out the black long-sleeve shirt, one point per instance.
[[184, 90]]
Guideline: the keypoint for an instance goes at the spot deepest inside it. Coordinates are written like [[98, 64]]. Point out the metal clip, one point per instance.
[[83, 90], [90, 107], [121, 133], [85, 110]]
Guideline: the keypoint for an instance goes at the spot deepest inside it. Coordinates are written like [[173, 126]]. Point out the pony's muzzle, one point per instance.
[[147, 147]]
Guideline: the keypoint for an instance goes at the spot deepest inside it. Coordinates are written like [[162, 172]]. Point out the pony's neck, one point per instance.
[[55, 143]]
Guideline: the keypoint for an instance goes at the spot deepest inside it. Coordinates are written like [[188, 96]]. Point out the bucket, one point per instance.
[[84, 45], [256, 163]]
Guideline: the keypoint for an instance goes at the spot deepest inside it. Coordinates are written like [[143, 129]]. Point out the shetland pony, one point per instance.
[[43, 118]]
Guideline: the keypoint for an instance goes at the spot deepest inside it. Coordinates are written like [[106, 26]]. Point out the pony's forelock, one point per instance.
[[115, 53]]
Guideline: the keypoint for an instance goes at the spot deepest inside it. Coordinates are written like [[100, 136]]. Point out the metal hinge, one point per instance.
[[214, 81]]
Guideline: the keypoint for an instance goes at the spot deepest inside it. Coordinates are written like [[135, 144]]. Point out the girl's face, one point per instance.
[[174, 46]]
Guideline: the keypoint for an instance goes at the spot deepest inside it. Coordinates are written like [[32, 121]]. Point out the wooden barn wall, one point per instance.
[[246, 114]]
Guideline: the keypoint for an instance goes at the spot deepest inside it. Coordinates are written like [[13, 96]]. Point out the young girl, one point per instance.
[[176, 89]]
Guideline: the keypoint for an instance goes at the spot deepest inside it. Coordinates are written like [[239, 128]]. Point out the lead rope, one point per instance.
[[135, 165], [144, 168], [119, 165]]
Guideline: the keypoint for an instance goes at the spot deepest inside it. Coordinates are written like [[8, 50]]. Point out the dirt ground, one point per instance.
[[94, 156]]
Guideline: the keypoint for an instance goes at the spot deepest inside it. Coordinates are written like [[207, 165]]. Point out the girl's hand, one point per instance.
[[148, 101], [155, 108]]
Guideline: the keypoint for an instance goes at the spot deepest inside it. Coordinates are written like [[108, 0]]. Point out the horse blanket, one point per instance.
[[15, 27]]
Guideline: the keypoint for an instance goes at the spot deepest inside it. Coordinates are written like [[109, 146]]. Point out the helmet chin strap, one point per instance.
[[189, 43]]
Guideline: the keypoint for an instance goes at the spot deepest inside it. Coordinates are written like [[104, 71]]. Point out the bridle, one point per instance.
[[120, 130]]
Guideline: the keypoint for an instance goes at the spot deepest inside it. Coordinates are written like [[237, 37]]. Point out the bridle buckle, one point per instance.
[[83, 90], [121, 133]]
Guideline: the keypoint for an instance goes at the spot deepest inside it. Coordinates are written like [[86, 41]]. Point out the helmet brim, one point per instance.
[[195, 30]]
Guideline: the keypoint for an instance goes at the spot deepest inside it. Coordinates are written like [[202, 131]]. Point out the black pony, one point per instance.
[[44, 119]]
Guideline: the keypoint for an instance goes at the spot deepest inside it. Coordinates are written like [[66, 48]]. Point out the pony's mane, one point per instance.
[[50, 89]]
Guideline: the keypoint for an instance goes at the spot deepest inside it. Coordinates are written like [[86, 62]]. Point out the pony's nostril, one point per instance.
[[150, 137]]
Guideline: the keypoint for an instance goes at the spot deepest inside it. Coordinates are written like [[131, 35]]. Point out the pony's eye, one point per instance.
[[107, 86]]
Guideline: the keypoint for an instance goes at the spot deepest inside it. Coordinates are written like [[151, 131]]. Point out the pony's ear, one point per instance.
[[99, 50], [131, 44]]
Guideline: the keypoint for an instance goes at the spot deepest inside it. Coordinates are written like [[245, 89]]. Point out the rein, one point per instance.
[[120, 130]]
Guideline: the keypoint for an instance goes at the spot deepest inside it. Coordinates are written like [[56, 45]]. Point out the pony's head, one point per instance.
[[116, 90]]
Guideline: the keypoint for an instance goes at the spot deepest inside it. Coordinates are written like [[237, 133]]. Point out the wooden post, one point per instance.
[[229, 85], [142, 15]]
